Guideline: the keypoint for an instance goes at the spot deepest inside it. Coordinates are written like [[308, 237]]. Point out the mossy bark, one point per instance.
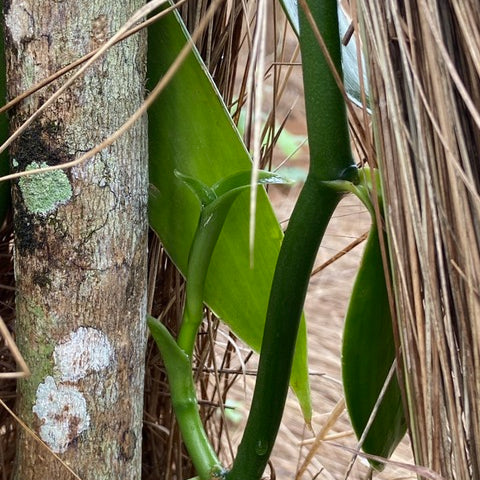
[[80, 242]]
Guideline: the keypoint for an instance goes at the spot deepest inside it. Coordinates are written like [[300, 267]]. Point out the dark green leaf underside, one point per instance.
[[367, 355]]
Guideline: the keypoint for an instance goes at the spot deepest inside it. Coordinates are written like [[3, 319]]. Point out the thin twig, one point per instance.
[[17, 356], [37, 438], [159, 87], [332, 419], [341, 253], [59, 73]]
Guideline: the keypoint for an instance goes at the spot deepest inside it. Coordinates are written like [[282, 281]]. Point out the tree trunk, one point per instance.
[[80, 243]]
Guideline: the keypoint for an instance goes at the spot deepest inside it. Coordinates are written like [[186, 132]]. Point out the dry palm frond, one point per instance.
[[424, 75]]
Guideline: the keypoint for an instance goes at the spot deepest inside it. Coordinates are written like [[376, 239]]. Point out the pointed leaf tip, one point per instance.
[[367, 355], [204, 193]]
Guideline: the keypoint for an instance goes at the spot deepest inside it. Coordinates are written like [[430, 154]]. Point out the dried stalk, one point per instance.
[[424, 75]]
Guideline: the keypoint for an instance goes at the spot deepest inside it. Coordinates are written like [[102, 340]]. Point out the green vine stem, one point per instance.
[[184, 402], [177, 355], [331, 159], [210, 225], [215, 205]]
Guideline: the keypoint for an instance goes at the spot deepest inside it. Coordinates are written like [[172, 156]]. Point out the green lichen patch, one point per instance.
[[44, 192], [40, 357]]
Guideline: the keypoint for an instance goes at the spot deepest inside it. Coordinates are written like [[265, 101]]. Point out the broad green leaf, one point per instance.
[[216, 203], [191, 131], [351, 74], [367, 355]]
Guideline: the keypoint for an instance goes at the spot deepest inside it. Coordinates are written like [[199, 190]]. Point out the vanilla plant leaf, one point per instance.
[[190, 130], [368, 353]]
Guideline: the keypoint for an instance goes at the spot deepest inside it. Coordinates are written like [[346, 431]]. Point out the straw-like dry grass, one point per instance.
[[425, 70], [7, 361]]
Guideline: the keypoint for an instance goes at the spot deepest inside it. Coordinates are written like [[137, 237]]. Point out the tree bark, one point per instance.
[[80, 243]]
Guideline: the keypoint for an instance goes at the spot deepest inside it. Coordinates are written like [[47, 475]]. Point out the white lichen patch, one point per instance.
[[19, 21], [44, 192], [86, 351], [62, 410]]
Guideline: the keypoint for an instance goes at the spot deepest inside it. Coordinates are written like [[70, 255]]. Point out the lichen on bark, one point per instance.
[[43, 192], [80, 241]]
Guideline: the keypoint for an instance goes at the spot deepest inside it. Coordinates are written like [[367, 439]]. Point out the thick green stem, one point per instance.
[[328, 138], [209, 228], [177, 356], [330, 160], [216, 203], [307, 225]]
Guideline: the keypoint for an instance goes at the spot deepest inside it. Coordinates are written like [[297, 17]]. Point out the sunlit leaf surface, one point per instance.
[[191, 131]]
